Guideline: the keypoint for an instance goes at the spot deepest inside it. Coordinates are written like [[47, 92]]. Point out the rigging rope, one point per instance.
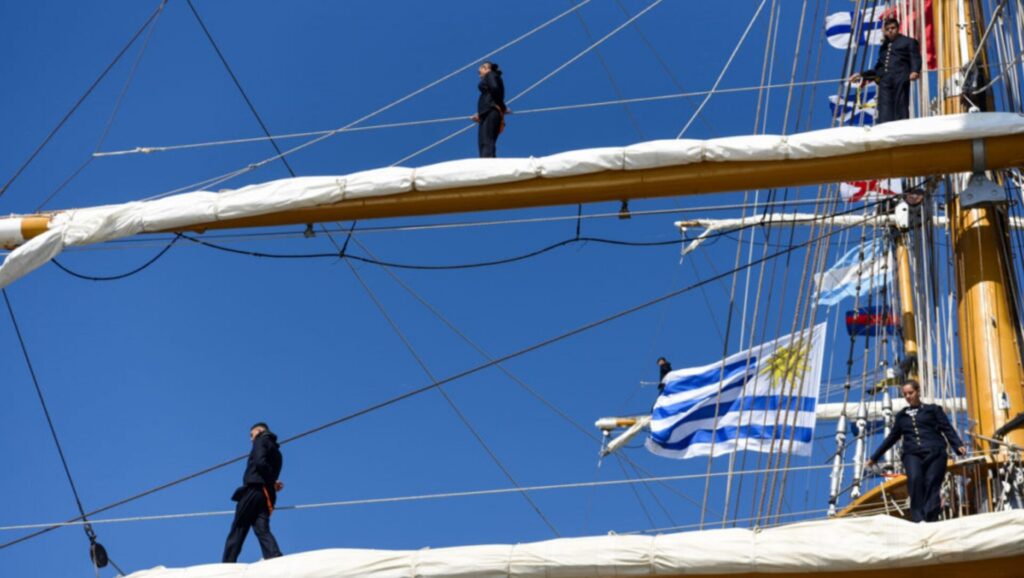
[[392, 500], [636, 493], [95, 548], [120, 276], [110, 119], [664, 65], [739, 248], [460, 118], [81, 99], [238, 85], [724, 70], [417, 391], [611, 77], [158, 241], [230, 175], [537, 83], [522, 384], [573, 240], [451, 402]]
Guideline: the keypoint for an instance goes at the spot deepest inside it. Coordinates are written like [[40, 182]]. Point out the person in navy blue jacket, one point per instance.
[[257, 495], [925, 431], [899, 62], [490, 109]]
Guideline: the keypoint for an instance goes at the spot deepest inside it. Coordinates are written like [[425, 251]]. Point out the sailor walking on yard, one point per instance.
[[899, 62], [490, 109], [925, 430], [257, 495]]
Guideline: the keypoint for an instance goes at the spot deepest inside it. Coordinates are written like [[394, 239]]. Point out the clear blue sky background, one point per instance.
[[161, 374]]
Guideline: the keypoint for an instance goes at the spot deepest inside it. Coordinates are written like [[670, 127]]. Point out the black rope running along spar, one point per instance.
[[477, 265], [373, 261], [455, 377], [97, 553], [81, 99], [138, 269]]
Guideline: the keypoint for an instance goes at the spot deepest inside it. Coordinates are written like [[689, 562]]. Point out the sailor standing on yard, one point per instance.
[[664, 368], [490, 109], [925, 431], [257, 495], [899, 62]]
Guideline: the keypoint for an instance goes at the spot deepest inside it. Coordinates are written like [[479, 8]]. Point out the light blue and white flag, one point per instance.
[[858, 108], [853, 275], [762, 399], [839, 25]]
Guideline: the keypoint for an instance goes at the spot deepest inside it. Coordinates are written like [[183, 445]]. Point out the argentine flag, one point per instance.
[[762, 400], [852, 275]]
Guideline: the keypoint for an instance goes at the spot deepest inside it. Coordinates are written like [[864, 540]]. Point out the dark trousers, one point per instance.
[[893, 98], [487, 134], [251, 511], [925, 471]]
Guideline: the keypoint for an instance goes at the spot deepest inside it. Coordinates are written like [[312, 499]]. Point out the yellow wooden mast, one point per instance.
[[908, 320], [988, 318]]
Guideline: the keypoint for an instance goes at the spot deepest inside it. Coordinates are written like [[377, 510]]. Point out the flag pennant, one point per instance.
[[839, 25], [871, 321], [857, 108], [855, 274], [870, 190], [762, 399]]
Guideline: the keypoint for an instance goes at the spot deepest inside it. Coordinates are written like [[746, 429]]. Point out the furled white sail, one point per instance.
[[99, 224], [848, 544]]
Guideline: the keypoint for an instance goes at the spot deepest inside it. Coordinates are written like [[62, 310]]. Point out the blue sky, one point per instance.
[[161, 374]]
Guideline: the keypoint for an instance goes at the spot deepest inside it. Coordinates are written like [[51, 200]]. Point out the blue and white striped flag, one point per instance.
[[839, 25], [854, 275], [762, 399], [858, 108]]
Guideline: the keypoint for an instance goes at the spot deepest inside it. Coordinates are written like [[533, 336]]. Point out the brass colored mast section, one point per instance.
[[906, 293], [988, 317]]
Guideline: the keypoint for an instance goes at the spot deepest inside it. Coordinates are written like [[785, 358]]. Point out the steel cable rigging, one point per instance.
[[97, 553], [451, 378]]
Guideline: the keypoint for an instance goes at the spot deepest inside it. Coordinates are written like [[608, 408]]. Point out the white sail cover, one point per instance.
[[99, 224], [847, 544]]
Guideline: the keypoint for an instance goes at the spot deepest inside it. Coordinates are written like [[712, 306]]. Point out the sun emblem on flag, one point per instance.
[[787, 365]]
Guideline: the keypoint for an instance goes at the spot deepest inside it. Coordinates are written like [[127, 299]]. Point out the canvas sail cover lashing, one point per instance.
[[106, 223]]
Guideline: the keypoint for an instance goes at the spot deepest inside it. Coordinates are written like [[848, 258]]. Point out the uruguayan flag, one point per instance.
[[858, 108], [839, 25], [762, 399], [854, 275]]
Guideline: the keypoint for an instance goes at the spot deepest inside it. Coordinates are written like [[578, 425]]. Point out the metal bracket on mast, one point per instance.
[[980, 189]]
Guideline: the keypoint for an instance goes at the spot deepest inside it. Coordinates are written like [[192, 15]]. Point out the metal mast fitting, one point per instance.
[[980, 189]]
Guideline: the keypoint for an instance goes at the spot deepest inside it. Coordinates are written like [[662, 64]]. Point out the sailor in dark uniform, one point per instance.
[[925, 431], [490, 109], [664, 367], [899, 62], [257, 495]]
